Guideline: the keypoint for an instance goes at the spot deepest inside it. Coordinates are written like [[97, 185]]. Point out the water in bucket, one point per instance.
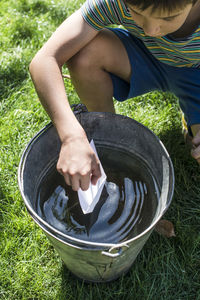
[[126, 207]]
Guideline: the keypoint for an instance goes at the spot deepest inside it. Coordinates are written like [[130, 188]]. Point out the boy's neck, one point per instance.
[[191, 23]]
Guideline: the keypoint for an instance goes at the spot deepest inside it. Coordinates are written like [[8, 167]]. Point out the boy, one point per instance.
[[160, 49]]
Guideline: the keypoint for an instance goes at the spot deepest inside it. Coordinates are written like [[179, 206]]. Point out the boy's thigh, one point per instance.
[[115, 56], [147, 73], [106, 52]]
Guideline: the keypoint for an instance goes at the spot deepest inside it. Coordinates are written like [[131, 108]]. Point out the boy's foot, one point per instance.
[[192, 139]]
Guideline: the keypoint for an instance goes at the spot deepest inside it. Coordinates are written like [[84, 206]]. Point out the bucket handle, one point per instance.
[[113, 255]]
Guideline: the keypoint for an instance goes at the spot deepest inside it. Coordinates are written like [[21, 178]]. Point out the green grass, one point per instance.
[[29, 267]]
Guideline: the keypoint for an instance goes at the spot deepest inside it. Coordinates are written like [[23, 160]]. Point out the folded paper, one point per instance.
[[88, 199]]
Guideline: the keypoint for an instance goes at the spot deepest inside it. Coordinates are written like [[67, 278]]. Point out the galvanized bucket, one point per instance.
[[98, 261]]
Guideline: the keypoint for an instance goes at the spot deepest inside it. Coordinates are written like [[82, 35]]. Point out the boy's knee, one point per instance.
[[79, 61], [89, 56], [84, 59]]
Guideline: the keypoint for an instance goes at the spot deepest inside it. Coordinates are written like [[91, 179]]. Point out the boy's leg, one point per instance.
[[185, 85], [90, 68]]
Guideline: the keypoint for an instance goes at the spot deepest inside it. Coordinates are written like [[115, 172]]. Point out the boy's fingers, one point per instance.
[[67, 179], [198, 160], [85, 182], [196, 153], [196, 140], [75, 183], [96, 174]]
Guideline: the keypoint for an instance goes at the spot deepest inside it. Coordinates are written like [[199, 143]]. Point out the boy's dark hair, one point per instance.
[[163, 5]]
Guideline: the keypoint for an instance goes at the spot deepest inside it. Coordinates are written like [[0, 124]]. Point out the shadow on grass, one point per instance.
[[91, 290], [12, 77]]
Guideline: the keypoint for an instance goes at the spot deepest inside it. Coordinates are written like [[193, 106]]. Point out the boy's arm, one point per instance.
[[77, 161]]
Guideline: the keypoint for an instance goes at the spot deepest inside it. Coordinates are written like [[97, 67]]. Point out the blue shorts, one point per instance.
[[149, 74]]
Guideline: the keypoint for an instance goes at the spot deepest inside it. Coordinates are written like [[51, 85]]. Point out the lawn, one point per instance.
[[30, 269]]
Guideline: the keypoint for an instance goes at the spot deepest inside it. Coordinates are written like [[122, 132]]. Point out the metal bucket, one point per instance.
[[90, 260]]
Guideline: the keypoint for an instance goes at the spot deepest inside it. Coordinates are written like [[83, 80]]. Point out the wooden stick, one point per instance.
[[66, 76]]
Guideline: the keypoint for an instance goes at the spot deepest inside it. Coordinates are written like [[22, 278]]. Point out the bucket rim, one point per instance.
[[75, 242]]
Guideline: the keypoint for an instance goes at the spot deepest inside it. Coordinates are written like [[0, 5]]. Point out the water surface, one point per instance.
[[126, 207]]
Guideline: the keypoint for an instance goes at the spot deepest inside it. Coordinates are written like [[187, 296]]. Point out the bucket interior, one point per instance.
[[127, 206], [137, 192]]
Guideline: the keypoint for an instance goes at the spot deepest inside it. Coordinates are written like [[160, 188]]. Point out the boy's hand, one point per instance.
[[78, 163], [195, 152]]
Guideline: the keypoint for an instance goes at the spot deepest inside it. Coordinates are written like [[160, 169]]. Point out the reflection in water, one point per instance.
[[125, 208]]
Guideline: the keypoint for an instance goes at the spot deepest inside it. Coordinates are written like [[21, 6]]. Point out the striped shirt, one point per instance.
[[184, 52]]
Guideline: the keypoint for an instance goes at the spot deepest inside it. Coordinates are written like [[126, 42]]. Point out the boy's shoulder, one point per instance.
[[102, 13], [99, 2]]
